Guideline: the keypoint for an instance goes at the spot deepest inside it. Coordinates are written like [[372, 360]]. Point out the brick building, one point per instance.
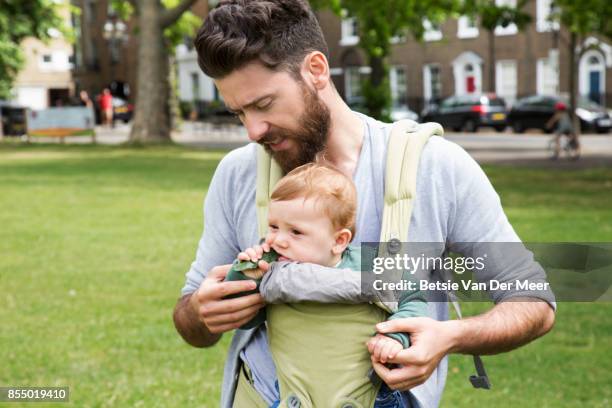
[[453, 59]]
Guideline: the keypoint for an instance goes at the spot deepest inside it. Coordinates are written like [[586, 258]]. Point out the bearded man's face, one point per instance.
[[279, 112], [307, 140]]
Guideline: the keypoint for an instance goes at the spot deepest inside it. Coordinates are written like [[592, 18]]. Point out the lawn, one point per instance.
[[95, 241]]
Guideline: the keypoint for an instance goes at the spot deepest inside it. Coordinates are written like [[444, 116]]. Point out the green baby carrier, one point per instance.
[[319, 362]]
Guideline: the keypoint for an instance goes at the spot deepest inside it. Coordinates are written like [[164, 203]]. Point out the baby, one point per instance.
[[311, 220]]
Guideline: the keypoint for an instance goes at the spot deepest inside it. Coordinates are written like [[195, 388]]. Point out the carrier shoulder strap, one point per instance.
[[404, 149], [268, 174]]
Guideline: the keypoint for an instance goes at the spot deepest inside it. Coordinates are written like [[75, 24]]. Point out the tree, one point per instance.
[[379, 22], [160, 26], [492, 16], [20, 19], [581, 19]]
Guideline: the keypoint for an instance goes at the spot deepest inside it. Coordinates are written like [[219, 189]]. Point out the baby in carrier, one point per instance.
[[319, 348]]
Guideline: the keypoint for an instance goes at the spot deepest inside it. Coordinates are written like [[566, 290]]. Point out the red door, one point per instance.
[[470, 85]]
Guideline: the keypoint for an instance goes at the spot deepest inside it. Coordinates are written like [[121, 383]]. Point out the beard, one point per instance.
[[310, 138]]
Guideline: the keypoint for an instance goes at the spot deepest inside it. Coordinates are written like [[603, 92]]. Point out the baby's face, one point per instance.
[[299, 231]]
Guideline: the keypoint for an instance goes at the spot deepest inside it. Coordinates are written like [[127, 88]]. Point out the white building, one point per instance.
[[193, 84], [46, 79]]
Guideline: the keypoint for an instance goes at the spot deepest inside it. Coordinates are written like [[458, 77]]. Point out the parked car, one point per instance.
[[403, 112], [122, 110], [533, 112], [468, 112]]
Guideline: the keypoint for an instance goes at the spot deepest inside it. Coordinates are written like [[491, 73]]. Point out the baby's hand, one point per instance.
[[254, 254], [384, 348]]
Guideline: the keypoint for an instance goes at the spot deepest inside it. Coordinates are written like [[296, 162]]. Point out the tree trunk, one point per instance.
[[572, 82], [377, 92], [152, 115], [491, 61]]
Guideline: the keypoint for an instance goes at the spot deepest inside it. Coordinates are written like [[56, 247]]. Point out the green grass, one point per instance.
[[95, 241]]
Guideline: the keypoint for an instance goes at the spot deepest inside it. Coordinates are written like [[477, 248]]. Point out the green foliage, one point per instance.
[[175, 34], [492, 15], [123, 8], [377, 98], [584, 17], [20, 19], [184, 27], [11, 61]]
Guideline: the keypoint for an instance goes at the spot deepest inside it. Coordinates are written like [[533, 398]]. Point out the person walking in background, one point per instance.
[[85, 100], [106, 107]]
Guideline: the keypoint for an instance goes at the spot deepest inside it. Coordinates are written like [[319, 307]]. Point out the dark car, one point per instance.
[[533, 112], [122, 110], [468, 112]]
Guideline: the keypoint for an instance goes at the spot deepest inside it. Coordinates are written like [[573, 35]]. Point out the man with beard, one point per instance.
[[268, 60]]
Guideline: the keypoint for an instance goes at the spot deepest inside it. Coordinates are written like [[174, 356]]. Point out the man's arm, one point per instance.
[[507, 326], [189, 327]]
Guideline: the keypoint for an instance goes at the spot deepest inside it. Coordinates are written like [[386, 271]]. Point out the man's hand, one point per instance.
[[220, 315], [430, 341]]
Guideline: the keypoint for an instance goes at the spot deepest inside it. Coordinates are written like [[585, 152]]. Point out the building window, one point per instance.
[[55, 61], [349, 31], [432, 83], [91, 14], [401, 37], [399, 87], [547, 77], [511, 29], [543, 11], [353, 77], [352, 86], [77, 51], [432, 31], [195, 86], [506, 80], [467, 27], [46, 62]]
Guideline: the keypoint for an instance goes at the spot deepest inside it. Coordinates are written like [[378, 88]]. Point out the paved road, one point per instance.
[[485, 146]]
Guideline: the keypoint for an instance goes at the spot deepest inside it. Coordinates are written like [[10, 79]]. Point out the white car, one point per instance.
[[402, 112]]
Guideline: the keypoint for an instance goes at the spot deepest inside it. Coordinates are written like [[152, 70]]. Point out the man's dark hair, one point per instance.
[[277, 33]]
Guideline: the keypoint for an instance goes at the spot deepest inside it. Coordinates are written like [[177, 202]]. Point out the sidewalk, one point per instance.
[[484, 146]]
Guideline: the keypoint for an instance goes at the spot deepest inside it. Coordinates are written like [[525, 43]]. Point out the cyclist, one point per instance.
[[564, 126]]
